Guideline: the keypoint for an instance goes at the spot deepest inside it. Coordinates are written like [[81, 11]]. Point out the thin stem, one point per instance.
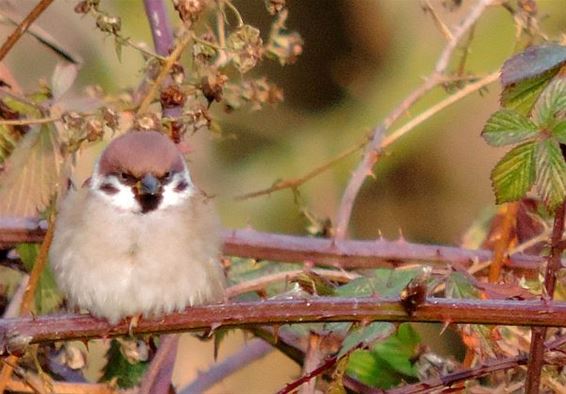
[[296, 182], [538, 334], [253, 351], [23, 26], [373, 150], [157, 379], [171, 60], [23, 122]]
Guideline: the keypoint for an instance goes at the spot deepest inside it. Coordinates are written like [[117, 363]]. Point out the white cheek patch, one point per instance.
[[123, 199], [173, 195]]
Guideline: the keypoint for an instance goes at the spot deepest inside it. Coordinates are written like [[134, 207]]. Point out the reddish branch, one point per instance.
[[324, 252], [274, 312], [23, 26], [538, 334]]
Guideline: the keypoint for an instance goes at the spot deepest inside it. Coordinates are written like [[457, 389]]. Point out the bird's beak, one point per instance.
[[148, 185]]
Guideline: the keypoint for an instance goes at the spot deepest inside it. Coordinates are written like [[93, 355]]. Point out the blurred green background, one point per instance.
[[360, 59]]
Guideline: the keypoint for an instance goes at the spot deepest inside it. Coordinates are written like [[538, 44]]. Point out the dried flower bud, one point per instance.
[[212, 85], [109, 24], [247, 47], [147, 121], [189, 10], [172, 96], [274, 6], [177, 73], [83, 7], [72, 120], [110, 117], [94, 130], [283, 45]]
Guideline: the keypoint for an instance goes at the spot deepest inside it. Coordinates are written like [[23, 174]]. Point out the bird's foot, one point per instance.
[[134, 321]]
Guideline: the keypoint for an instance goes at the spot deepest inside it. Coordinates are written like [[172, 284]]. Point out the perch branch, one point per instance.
[[277, 247], [274, 312], [374, 147]]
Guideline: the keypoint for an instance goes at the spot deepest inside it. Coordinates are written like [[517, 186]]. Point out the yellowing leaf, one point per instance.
[[31, 174]]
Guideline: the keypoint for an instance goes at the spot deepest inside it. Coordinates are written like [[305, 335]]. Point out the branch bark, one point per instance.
[[22, 331]]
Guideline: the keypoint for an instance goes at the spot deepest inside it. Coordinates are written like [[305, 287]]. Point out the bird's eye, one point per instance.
[[126, 178], [167, 177]]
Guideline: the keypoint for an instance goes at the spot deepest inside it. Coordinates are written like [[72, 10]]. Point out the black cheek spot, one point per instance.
[[109, 189], [183, 185]]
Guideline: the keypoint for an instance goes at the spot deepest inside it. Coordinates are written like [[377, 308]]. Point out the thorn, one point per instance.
[[401, 236], [445, 325]]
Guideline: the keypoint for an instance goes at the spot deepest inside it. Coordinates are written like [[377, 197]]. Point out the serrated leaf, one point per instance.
[[534, 61], [389, 362], [514, 174], [365, 336], [521, 96], [47, 296], [507, 127], [559, 131], [384, 282], [550, 108], [118, 368], [550, 174], [62, 79], [31, 174]]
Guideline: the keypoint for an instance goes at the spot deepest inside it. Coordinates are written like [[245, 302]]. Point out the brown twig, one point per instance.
[[252, 351], [374, 147], [296, 182], [23, 26], [538, 334], [274, 312], [286, 248], [23, 122], [328, 363]]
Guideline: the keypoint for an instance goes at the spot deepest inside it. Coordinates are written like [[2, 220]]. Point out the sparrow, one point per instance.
[[139, 238]]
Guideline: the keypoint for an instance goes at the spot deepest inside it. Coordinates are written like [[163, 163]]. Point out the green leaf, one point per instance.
[[459, 286], [384, 282], [507, 127], [47, 296], [534, 61], [363, 337], [514, 174], [550, 173], [32, 174], [559, 131], [389, 362], [550, 108], [521, 96], [119, 369]]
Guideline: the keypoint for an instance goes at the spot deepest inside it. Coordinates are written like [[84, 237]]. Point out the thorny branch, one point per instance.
[[324, 252], [52, 328], [377, 143], [538, 334]]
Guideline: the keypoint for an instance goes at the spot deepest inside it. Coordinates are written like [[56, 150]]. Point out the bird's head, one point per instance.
[[141, 172]]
